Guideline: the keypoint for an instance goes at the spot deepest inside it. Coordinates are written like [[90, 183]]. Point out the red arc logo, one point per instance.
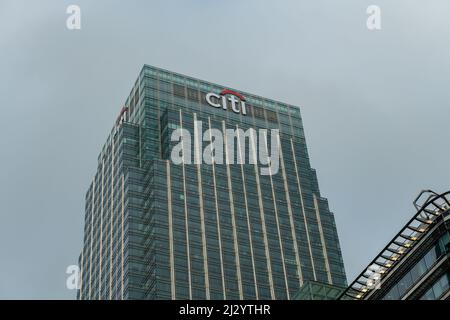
[[227, 91]]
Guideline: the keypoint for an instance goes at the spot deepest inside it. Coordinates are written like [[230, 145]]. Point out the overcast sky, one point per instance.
[[375, 106]]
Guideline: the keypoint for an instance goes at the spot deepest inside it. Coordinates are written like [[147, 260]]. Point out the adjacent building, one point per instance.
[[158, 228], [313, 290], [415, 264]]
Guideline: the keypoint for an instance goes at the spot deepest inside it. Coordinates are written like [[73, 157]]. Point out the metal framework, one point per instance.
[[427, 212]]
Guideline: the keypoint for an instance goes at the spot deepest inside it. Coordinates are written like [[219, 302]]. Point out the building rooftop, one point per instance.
[[430, 206]]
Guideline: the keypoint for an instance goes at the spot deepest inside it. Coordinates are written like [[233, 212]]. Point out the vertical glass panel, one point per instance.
[[430, 257], [418, 270], [405, 283]]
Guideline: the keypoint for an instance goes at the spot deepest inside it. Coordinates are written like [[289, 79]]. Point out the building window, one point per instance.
[[192, 94], [258, 112], [178, 90], [271, 116], [438, 288], [419, 269]]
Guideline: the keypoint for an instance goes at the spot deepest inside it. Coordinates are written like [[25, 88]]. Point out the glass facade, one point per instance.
[[312, 290], [419, 269], [414, 259], [155, 229], [438, 288]]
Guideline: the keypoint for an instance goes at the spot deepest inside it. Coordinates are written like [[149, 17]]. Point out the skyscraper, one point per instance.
[[238, 228]]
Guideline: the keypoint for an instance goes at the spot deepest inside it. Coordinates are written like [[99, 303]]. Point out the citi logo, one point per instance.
[[236, 100]]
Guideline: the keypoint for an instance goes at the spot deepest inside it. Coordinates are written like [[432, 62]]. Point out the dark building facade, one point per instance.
[[157, 229], [415, 265]]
